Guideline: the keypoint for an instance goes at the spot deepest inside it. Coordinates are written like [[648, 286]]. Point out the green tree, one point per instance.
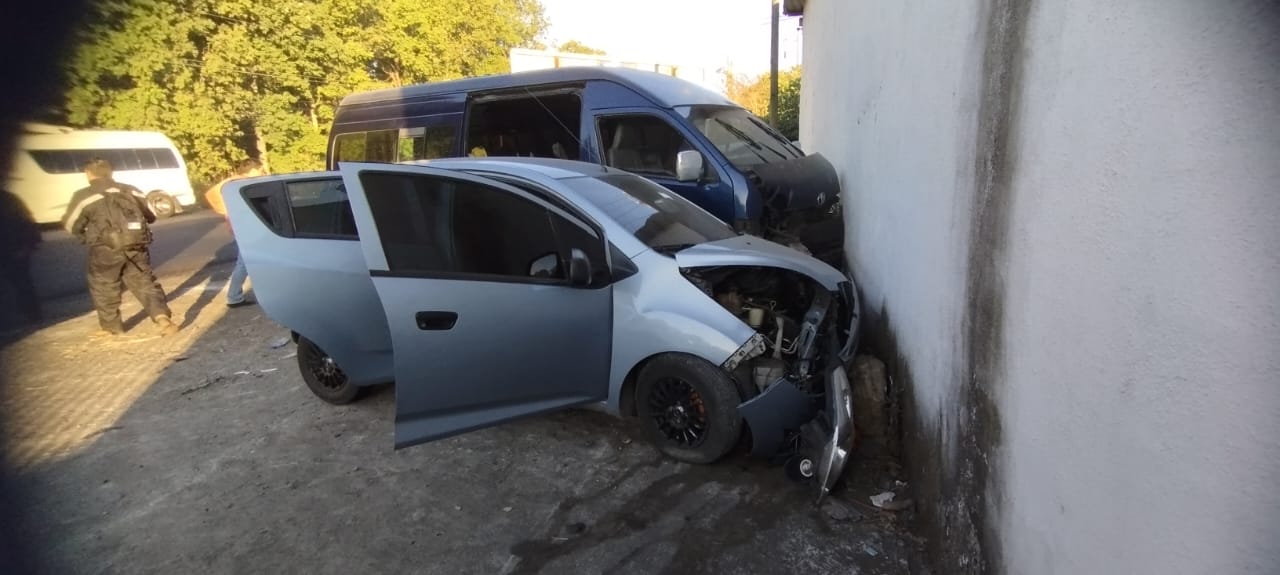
[[753, 94], [576, 47], [230, 78]]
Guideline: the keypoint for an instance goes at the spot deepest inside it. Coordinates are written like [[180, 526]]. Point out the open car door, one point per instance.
[[492, 314]]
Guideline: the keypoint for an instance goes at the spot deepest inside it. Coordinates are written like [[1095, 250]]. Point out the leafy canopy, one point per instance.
[[753, 94], [227, 79]]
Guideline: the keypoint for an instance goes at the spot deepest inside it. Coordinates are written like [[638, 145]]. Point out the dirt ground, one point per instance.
[[205, 453]]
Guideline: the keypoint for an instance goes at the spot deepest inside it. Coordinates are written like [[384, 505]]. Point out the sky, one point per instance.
[[714, 34]]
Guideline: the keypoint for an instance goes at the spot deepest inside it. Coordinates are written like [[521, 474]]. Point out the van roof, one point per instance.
[[663, 90]]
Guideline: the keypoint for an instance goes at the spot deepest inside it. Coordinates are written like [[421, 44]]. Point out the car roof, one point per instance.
[[550, 167], [663, 90]]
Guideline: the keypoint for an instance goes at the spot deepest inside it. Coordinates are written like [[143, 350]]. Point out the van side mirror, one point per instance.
[[688, 166], [579, 268]]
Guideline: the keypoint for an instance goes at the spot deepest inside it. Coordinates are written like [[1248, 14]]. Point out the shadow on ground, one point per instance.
[[227, 464]]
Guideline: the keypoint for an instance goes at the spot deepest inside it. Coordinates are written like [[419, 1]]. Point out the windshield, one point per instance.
[[744, 139], [657, 217]]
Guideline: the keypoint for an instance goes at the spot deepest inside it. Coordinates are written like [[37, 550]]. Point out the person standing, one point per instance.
[[19, 236], [113, 220], [248, 168]]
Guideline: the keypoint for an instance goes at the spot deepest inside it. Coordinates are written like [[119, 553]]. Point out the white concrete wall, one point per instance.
[[1142, 410], [903, 145], [1139, 390]]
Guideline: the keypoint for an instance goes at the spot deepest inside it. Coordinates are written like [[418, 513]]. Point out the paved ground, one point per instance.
[[205, 453], [184, 243]]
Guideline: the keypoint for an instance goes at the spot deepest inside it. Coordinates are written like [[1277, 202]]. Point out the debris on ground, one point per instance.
[[838, 511], [208, 380], [870, 384], [898, 505], [279, 342], [880, 499]]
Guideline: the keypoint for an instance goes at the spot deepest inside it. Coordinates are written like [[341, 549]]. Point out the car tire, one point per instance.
[[689, 408], [323, 376], [162, 205]]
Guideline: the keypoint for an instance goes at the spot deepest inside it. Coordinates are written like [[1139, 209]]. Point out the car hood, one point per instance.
[[752, 251], [807, 184]]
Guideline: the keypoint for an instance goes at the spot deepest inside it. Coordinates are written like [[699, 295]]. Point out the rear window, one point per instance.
[[320, 208], [316, 208], [656, 216]]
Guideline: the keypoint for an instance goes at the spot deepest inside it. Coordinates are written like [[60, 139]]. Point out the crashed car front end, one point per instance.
[[792, 372]]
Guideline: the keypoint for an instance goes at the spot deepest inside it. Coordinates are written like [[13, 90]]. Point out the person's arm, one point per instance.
[[74, 221], [141, 198], [214, 197]]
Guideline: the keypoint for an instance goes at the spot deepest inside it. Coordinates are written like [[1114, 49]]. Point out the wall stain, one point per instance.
[[957, 508], [974, 501]]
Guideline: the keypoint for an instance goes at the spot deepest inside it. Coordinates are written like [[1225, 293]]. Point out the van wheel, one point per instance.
[[162, 205], [323, 376], [689, 408]]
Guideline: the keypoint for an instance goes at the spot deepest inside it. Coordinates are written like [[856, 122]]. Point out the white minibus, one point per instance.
[[48, 166]]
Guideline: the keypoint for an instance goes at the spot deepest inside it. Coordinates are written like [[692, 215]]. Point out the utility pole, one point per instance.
[[773, 64]]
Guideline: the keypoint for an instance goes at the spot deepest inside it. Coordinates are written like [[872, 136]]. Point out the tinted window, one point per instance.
[[641, 144], [164, 158], [376, 146], [121, 159], [655, 215], [426, 143], [436, 225], [320, 209]]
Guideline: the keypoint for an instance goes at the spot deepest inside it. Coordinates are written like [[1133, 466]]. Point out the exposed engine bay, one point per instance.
[[786, 377]]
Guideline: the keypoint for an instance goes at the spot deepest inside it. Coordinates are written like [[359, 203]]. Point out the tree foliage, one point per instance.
[[227, 79], [753, 94], [576, 47]]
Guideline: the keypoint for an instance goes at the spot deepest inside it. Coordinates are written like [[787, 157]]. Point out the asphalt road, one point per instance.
[[183, 244]]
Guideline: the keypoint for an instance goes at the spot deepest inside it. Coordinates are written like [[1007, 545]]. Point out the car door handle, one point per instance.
[[436, 320]]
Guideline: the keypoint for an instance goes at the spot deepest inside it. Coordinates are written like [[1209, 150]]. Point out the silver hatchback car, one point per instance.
[[493, 289]]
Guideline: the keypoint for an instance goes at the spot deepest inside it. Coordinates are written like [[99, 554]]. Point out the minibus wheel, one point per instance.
[[162, 204]]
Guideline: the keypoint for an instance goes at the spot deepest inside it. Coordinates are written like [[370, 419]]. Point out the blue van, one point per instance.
[[688, 139]]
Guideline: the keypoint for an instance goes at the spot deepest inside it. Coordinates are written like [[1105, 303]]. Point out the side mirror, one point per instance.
[[547, 266], [579, 268], [688, 166]]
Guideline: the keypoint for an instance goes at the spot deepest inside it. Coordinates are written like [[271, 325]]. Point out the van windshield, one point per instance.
[[744, 139], [657, 217]]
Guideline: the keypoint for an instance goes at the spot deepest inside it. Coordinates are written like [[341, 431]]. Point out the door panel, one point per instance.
[[491, 351], [283, 264], [477, 340]]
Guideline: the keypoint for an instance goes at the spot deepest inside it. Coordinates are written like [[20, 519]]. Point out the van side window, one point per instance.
[[122, 159], [426, 143], [538, 126], [374, 146], [641, 144]]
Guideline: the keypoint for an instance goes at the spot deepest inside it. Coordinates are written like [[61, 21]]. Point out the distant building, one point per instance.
[[523, 60]]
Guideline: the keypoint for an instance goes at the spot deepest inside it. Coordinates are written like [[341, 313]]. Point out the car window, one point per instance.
[[434, 225], [642, 144], [427, 143], [656, 216], [320, 208], [374, 146]]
